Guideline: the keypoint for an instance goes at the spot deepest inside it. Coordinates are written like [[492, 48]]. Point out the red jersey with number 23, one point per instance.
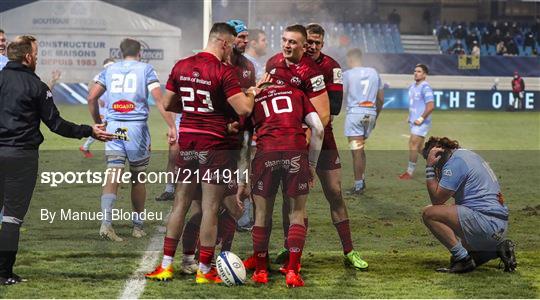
[[277, 117], [204, 84]]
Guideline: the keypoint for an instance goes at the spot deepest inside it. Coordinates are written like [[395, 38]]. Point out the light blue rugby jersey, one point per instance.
[[419, 95], [361, 86], [474, 183], [127, 92], [3, 61]]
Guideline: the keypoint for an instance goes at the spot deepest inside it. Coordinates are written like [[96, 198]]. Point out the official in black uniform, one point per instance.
[[25, 101]]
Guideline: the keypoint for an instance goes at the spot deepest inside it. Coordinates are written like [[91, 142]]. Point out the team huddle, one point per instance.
[[216, 105]]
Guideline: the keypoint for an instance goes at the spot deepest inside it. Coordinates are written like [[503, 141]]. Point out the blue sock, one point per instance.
[[458, 251], [107, 204], [359, 184]]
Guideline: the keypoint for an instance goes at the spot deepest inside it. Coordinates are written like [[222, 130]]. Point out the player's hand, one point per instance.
[[264, 79], [99, 133], [55, 75], [233, 128], [434, 156], [419, 121], [242, 193], [171, 135], [312, 173]]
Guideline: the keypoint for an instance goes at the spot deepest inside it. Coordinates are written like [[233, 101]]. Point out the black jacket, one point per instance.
[[24, 101]]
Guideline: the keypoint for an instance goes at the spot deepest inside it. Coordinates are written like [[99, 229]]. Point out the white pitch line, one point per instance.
[[405, 135], [135, 284]]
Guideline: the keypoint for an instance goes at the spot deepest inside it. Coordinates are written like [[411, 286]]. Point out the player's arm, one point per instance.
[[172, 102], [50, 115], [96, 91], [380, 101], [430, 105], [437, 193], [243, 103], [322, 106], [155, 90], [316, 139]]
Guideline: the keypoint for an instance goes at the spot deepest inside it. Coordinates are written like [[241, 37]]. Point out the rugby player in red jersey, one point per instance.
[[329, 167], [292, 67], [227, 217], [282, 157], [204, 88]]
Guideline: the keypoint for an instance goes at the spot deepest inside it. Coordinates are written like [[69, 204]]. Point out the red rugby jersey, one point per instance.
[[204, 84], [305, 75], [277, 117]]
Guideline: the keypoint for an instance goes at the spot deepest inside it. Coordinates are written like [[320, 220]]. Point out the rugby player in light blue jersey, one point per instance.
[[127, 85], [421, 106], [85, 148], [363, 91], [474, 229]]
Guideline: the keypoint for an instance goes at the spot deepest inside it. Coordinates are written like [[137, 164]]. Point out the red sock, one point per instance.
[[286, 228], [190, 236], [169, 246], [296, 241], [268, 231], [206, 254], [260, 246], [226, 230], [344, 231]]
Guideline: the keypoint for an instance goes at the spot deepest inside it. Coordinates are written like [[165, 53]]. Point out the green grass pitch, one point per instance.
[[69, 260]]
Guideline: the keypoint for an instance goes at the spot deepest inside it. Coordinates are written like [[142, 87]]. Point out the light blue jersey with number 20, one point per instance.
[[126, 83]]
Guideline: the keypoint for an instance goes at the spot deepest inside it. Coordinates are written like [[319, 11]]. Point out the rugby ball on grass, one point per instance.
[[230, 269]]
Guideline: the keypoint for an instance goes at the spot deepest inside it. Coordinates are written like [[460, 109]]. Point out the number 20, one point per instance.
[[275, 106], [124, 83]]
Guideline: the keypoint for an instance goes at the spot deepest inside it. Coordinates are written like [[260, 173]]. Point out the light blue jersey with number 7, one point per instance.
[[360, 86], [128, 84]]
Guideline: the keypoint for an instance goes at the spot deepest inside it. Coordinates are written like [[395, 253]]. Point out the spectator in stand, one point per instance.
[[536, 29], [487, 41], [497, 37], [505, 28], [514, 30], [501, 49], [444, 33], [475, 49], [471, 37], [518, 90], [457, 48], [460, 33], [529, 44], [444, 36], [394, 18], [511, 48]]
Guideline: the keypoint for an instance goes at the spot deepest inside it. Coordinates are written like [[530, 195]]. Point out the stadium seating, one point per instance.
[[371, 38], [524, 38]]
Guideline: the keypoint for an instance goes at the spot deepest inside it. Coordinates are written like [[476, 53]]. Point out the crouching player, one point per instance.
[[474, 229], [282, 157]]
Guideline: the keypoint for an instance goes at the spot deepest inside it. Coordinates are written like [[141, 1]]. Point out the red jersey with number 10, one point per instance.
[[277, 117], [204, 83]]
